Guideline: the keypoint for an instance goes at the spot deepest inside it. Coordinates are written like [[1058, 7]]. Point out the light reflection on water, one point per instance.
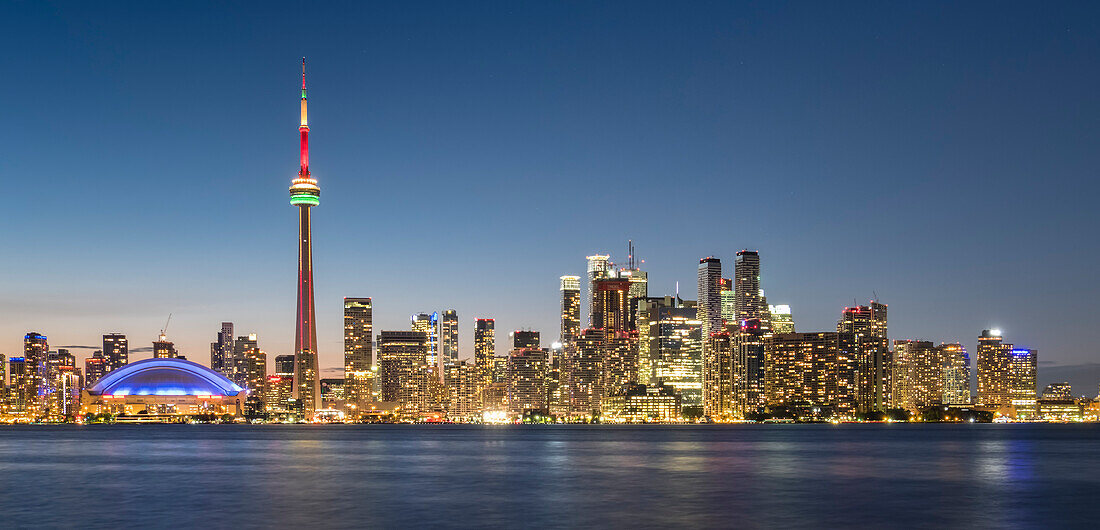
[[560, 476]]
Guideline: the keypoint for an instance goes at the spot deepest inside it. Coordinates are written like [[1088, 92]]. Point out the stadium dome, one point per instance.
[[165, 377]]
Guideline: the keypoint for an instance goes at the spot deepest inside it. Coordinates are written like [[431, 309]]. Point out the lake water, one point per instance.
[[773, 476]]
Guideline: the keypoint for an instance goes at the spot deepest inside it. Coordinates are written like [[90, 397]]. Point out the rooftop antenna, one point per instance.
[[875, 295], [630, 254]]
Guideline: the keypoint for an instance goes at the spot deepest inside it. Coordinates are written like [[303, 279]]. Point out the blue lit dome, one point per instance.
[[164, 377]]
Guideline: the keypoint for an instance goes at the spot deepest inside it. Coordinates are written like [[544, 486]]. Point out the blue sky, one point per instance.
[[943, 156]]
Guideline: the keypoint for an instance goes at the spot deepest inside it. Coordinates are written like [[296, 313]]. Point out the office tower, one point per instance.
[[680, 357], [525, 339], [448, 336], [956, 374], [429, 326], [21, 380], [746, 284], [526, 380], [66, 397], [586, 372], [727, 298], [36, 353], [164, 348], [709, 307], [620, 361], [1022, 382], [993, 364], [284, 386], [873, 360], [610, 305], [642, 403], [305, 194], [464, 386], [570, 310], [649, 346], [485, 348], [256, 373], [400, 355], [243, 349], [221, 351], [599, 266], [811, 370], [718, 375], [358, 336], [748, 368], [917, 374], [94, 368], [639, 287], [116, 349], [781, 319]]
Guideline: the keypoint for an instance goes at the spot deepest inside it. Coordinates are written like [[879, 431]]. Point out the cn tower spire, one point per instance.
[[303, 129]]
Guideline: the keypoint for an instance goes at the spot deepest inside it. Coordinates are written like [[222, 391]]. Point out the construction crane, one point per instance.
[[164, 330]]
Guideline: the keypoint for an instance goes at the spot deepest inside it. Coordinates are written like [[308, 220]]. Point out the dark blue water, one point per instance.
[[777, 476]]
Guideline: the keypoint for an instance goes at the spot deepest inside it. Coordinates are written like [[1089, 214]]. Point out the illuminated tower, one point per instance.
[[304, 193]]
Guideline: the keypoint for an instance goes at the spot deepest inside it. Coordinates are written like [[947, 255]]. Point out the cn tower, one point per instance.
[[305, 194]]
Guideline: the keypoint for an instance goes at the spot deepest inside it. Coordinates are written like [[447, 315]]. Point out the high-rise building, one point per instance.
[[781, 319], [429, 326], [709, 307], [993, 364], [464, 386], [649, 346], [36, 351], [401, 355], [873, 360], [639, 287], [811, 370], [281, 389], [611, 304], [746, 284], [956, 374], [523, 339], [485, 348], [599, 266], [917, 374], [22, 383], [305, 194], [1022, 382], [221, 351], [358, 337], [727, 299], [570, 310], [527, 380], [448, 336], [117, 351], [164, 348], [679, 361], [256, 375], [748, 368], [243, 349], [585, 373], [95, 367], [718, 375], [620, 361]]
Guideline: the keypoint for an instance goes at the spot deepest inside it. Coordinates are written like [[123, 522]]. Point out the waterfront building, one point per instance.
[[811, 370], [221, 351], [448, 337], [599, 266], [586, 371], [237, 364], [709, 307], [718, 375], [256, 374], [917, 374], [21, 380], [872, 354], [679, 361], [305, 194], [1022, 384], [464, 391], [620, 361], [279, 390], [782, 321], [358, 339], [642, 404], [155, 388], [570, 310], [1058, 404], [526, 380], [332, 394], [35, 387], [117, 350], [956, 374], [500, 369], [748, 368], [992, 366], [746, 284], [429, 326], [649, 346], [401, 355], [485, 348]]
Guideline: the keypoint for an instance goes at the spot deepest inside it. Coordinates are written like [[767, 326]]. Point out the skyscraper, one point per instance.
[[358, 335], [680, 359], [523, 338], [305, 194], [221, 351], [811, 370], [728, 300], [448, 336], [35, 388], [94, 368], [746, 284], [401, 356], [993, 365], [718, 375], [585, 374], [956, 374], [709, 308], [873, 361], [570, 310], [484, 348], [610, 306], [917, 374], [748, 368], [526, 381], [1022, 382], [116, 350], [244, 348], [429, 326], [22, 385], [599, 266]]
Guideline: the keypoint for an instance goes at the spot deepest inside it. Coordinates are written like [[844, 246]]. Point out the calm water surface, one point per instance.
[[781, 476]]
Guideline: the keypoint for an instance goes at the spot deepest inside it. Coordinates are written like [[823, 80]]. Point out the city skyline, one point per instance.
[[82, 291]]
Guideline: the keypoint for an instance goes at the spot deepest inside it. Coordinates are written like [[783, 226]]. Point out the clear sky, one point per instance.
[[943, 156]]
